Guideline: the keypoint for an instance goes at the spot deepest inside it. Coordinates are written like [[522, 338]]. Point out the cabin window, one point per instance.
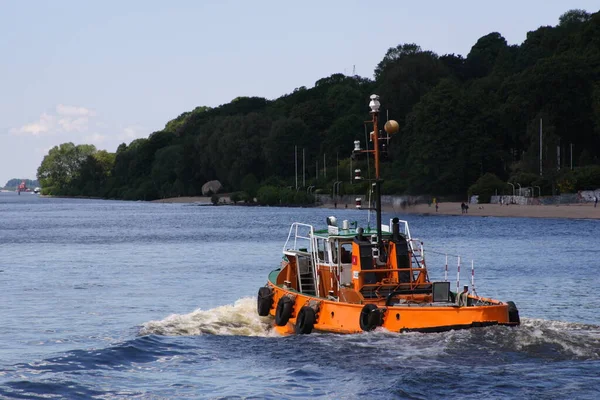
[[322, 251], [346, 253]]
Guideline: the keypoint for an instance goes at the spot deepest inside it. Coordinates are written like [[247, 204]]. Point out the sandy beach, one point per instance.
[[576, 211], [196, 199]]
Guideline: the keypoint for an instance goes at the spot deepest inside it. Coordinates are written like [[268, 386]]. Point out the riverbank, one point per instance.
[[186, 199], [572, 211]]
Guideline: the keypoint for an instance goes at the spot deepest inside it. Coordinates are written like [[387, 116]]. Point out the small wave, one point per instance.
[[569, 338], [238, 319], [537, 338]]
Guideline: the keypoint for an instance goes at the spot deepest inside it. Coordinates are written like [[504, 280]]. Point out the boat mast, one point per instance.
[[374, 104]]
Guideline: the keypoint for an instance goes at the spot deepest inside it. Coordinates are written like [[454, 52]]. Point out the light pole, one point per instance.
[[336, 190], [374, 105], [303, 170], [513, 187]]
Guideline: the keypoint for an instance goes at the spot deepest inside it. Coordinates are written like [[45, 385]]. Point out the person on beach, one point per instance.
[[462, 208], [595, 201]]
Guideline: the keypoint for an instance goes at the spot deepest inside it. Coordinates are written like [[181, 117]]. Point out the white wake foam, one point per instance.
[[239, 319], [580, 340]]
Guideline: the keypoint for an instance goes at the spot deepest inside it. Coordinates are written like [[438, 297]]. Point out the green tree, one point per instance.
[[62, 165], [268, 195], [487, 186], [167, 168]]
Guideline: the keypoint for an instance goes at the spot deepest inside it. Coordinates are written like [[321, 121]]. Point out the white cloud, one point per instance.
[[67, 119], [74, 111], [73, 124], [43, 125]]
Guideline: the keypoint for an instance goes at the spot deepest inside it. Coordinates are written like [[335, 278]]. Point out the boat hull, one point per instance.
[[340, 317]]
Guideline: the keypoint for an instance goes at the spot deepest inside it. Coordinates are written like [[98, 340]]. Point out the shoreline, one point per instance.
[[565, 211]]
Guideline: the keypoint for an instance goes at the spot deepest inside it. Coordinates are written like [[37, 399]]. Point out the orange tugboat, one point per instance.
[[348, 279]]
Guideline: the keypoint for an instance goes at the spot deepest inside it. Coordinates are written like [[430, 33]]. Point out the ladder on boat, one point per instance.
[[307, 283], [416, 248], [305, 269]]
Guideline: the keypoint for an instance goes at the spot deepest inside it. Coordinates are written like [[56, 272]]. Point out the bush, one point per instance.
[[268, 195], [286, 196], [301, 197], [246, 197], [48, 191], [486, 187], [525, 179], [581, 178], [393, 186], [235, 197], [146, 191], [588, 177]]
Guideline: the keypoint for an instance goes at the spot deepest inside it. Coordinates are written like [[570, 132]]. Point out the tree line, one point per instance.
[[12, 184], [464, 122]]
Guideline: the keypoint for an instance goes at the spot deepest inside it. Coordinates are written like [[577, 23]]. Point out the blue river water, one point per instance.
[[110, 299]]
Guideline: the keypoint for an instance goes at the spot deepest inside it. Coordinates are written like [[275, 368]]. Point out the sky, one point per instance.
[[107, 72]]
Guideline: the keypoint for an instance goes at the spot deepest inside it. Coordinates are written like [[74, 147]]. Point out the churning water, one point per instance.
[[109, 299]]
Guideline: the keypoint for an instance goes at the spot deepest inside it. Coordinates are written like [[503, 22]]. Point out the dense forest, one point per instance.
[[464, 123]]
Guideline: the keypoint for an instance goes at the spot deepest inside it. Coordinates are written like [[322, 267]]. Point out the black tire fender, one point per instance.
[[283, 311], [264, 301], [370, 317], [305, 321], [513, 313]]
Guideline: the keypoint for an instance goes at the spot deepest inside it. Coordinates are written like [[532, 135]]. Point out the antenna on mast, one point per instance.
[[354, 70]]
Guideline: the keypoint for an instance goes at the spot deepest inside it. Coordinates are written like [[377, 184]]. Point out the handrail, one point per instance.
[[315, 259], [406, 228], [366, 271], [296, 225], [299, 275]]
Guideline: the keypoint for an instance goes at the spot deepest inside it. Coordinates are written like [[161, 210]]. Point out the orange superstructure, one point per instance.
[[347, 279]]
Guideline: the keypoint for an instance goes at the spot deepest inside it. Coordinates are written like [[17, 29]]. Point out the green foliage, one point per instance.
[[588, 177], [484, 54], [486, 187], [394, 186], [273, 196], [303, 198], [581, 178], [461, 118], [250, 186], [268, 195], [574, 17], [235, 197], [63, 165], [525, 179]]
